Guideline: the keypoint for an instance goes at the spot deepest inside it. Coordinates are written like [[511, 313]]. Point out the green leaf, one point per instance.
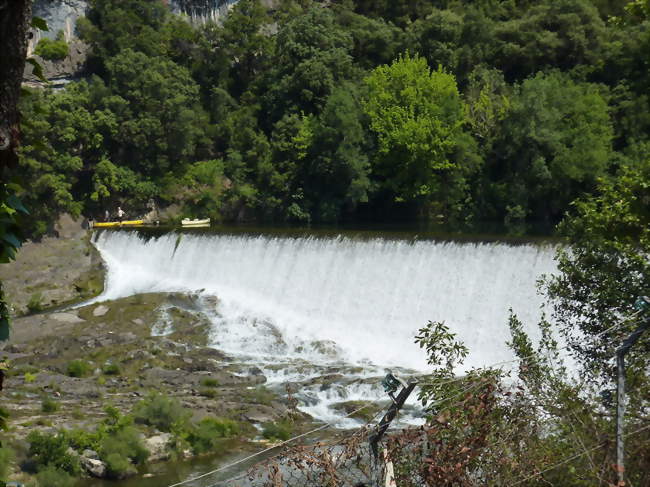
[[4, 333], [16, 204], [38, 69], [39, 23], [12, 240]]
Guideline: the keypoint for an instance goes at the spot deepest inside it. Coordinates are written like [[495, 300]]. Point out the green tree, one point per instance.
[[313, 54], [564, 34], [375, 40], [336, 175], [438, 37], [553, 145], [111, 28], [604, 270], [245, 43], [161, 121], [417, 115]]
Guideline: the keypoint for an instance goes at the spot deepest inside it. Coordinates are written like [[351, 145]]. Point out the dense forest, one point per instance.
[[451, 111]]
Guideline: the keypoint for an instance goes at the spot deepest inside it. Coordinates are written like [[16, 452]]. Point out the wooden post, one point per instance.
[[389, 416], [390, 471]]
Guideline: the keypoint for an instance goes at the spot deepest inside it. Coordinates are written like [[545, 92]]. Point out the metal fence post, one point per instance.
[[642, 304]]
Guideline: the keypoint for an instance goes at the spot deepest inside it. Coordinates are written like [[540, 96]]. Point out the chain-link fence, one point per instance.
[[340, 462]]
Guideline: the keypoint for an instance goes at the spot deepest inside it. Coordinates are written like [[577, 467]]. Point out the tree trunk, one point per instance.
[[15, 20]]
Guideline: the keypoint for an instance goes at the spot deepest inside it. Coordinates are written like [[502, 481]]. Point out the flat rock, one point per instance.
[[66, 318], [100, 310]]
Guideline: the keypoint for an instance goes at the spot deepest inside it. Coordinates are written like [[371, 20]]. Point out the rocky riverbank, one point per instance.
[[105, 389], [68, 366], [76, 369], [55, 272]]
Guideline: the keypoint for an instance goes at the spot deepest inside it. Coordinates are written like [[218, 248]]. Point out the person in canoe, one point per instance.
[[120, 214]]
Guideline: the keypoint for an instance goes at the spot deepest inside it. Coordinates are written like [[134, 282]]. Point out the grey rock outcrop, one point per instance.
[[93, 466], [158, 447]]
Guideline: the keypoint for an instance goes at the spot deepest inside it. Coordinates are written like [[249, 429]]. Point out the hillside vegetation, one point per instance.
[[454, 111]]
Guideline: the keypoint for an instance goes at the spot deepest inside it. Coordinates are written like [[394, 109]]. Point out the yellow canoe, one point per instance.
[[129, 223]]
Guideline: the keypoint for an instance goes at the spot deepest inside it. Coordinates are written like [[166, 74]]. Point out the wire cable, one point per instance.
[[441, 401], [573, 457], [279, 445]]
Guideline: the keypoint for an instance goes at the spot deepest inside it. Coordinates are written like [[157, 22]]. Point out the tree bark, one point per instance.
[[15, 20]]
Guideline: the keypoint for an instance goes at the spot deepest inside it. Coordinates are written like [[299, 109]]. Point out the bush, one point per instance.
[[82, 440], [160, 411], [209, 433], [208, 393], [279, 430], [6, 456], [262, 395], [53, 477], [118, 466], [125, 442], [111, 369], [52, 50], [209, 382], [48, 450], [29, 377], [49, 405], [79, 368], [34, 304]]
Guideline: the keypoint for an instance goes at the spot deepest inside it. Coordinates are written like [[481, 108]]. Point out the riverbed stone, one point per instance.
[[66, 318], [157, 446], [100, 310], [93, 466]]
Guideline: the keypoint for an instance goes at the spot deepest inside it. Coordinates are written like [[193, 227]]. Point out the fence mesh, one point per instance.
[[341, 462]]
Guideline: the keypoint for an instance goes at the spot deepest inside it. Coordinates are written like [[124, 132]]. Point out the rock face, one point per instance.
[[60, 15], [157, 446], [93, 466], [54, 271]]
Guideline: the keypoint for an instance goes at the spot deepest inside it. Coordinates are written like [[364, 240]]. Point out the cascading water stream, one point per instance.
[[337, 300]]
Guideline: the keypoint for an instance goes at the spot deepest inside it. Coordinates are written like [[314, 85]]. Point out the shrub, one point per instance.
[[111, 369], [160, 411], [29, 377], [34, 304], [118, 466], [209, 382], [53, 477], [6, 456], [81, 439], [48, 450], [52, 50], [278, 430], [208, 393], [209, 433], [125, 442], [49, 405], [79, 368], [262, 395]]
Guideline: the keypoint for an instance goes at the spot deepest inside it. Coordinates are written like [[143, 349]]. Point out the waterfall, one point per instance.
[[351, 300]]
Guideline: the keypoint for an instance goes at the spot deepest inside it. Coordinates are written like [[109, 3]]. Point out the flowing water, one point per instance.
[[298, 306]]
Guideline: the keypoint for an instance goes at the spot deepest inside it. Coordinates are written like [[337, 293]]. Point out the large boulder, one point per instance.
[[93, 466], [158, 447]]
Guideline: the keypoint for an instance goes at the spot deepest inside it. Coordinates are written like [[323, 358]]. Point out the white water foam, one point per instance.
[[359, 301]]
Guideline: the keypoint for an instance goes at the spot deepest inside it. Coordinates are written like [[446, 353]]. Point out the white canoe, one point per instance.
[[186, 222]]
